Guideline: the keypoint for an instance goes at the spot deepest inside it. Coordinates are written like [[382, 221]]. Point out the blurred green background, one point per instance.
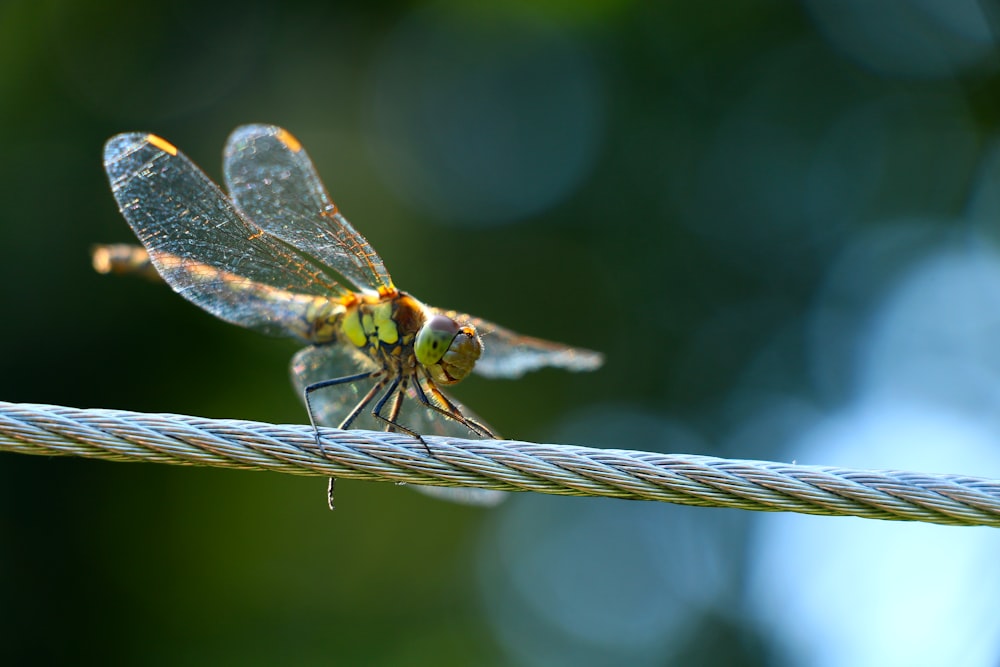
[[776, 220]]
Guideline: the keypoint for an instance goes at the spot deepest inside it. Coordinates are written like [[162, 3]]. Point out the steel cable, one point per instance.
[[505, 465]]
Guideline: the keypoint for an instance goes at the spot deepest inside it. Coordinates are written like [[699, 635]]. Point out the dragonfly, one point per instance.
[[276, 255]]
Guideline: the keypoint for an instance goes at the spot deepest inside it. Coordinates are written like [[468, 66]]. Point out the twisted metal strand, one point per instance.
[[503, 465]]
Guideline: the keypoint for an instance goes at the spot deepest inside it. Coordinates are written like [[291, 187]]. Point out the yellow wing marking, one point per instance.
[[162, 144], [285, 137]]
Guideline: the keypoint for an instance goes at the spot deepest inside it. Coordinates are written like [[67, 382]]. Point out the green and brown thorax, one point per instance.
[[384, 328]]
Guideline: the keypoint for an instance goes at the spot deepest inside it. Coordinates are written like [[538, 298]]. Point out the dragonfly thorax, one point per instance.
[[400, 332]]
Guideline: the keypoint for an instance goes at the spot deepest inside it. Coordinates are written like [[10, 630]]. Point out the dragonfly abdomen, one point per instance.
[[323, 320]]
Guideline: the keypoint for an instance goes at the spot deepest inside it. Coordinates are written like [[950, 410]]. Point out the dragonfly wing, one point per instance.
[[273, 182], [463, 495], [507, 354], [202, 246], [332, 404]]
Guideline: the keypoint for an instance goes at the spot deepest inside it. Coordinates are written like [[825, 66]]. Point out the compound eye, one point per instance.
[[434, 339]]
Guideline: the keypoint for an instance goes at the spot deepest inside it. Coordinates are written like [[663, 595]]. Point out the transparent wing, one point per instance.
[[317, 363], [332, 404], [273, 182], [507, 354], [203, 247]]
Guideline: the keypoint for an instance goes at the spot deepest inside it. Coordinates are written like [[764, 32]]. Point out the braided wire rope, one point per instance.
[[505, 465]]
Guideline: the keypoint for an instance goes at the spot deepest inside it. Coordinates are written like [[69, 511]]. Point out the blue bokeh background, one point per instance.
[[778, 220]]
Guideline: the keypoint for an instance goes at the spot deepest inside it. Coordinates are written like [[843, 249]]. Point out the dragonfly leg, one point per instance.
[[449, 410], [307, 393], [398, 385], [398, 394], [397, 403], [307, 396], [397, 406]]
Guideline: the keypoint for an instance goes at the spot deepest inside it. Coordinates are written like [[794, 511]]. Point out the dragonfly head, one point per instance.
[[448, 351]]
